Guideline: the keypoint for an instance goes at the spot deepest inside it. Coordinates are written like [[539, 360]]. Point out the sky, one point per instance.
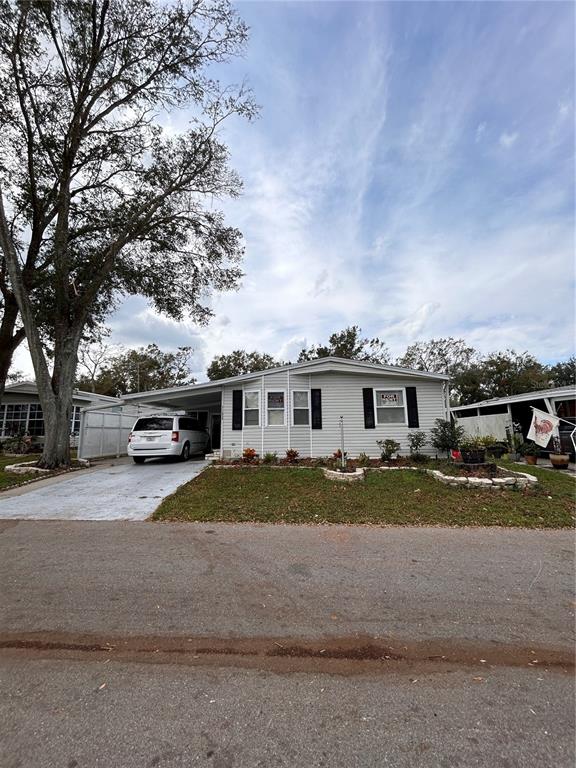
[[411, 172]]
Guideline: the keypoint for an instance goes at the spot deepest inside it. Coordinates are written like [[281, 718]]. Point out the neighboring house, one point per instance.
[[492, 417], [21, 412], [299, 406]]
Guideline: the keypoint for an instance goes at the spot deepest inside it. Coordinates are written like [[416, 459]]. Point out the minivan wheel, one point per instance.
[[185, 455], [139, 459]]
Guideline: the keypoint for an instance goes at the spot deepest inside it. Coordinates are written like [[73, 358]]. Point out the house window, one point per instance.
[[16, 419], [275, 408], [36, 420], [390, 406], [252, 408], [301, 407]]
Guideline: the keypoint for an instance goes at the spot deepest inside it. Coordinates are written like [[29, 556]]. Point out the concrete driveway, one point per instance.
[[116, 490]]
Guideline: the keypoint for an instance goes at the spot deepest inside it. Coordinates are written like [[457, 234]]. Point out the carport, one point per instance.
[[201, 401]]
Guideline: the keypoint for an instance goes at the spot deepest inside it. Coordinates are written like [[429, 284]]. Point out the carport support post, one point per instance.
[[119, 443]]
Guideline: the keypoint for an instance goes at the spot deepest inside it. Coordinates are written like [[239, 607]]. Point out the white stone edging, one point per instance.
[[345, 477], [522, 479]]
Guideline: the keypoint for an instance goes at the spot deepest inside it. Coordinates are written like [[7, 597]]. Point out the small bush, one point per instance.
[[419, 458], [416, 441], [249, 455], [270, 458], [446, 435], [363, 460], [292, 456], [387, 448]]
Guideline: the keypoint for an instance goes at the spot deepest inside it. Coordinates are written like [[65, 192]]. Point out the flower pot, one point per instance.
[[532, 460], [560, 460], [496, 450], [475, 456]]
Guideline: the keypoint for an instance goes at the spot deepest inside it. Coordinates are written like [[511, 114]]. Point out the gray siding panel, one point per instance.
[[341, 396]]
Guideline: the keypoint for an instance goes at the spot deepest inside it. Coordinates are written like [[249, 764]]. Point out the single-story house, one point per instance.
[[495, 416], [21, 412], [299, 406]]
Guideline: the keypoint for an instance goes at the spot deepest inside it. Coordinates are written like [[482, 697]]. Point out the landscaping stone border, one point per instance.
[[25, 468], [522, 479], [344, 477]]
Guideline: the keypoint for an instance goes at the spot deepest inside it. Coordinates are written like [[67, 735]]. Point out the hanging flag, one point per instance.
[[543, 426]]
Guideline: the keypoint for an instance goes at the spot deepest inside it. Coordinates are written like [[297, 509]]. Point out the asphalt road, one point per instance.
[[138, 644]]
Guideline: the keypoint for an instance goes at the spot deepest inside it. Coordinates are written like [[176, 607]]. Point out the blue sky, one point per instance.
[[412, 172]]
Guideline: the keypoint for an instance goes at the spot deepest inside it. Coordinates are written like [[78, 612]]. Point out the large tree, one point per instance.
[[447, 355], [96, 200], [348, 343], [239, 362], [511, 373], [563, 374], [122, 371]]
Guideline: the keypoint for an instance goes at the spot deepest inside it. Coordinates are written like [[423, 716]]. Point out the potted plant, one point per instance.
[[530, 451], [558, 458], [494, 447], [472, 450]]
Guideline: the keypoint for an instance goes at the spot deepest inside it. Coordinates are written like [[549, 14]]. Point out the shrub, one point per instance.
[[17, 444], [529, 449], [270, 458], [292, 456], [249, 455], [470, 443], [387, 448], [416, 441], [446, 435], [363, 460]]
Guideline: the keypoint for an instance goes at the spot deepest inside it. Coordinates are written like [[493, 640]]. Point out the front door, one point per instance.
[[215, 431]]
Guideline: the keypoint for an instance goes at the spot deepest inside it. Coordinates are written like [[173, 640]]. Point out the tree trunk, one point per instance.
[[9, 338], [57, 407]]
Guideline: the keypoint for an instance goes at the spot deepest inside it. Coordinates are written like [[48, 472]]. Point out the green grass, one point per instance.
[[9, 480], [384, 498]]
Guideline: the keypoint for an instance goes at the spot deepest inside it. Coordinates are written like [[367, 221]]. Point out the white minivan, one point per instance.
[[166, 435]]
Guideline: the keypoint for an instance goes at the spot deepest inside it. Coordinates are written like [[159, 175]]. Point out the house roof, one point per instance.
[[323, 364], [30, 388], [554, 393]]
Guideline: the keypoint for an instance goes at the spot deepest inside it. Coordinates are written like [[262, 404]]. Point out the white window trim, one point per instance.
[[390, 389], [275, 426], [244, 409], [301, 426]]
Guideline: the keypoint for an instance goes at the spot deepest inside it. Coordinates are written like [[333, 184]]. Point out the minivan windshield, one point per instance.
[[154, 423]]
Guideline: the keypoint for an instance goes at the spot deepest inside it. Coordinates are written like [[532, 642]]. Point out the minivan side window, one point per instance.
[[190, 424]]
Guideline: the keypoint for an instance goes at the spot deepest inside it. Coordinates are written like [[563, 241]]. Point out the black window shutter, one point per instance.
[[236, 409], [412, 407], [369, 420], [316, 403]]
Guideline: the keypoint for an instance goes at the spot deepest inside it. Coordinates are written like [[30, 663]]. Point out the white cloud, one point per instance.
[[508, 140], [480, 131]]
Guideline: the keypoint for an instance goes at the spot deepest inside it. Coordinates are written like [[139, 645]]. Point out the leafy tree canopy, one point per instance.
[[563, 374], [125, 371], [350, 344], [97, 201], [239, 362]]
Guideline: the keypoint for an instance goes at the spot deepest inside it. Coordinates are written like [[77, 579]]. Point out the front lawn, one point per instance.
[[9, 480], [384, 498]]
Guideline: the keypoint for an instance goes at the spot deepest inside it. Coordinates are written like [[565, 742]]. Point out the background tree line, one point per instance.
[[115, 371]]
